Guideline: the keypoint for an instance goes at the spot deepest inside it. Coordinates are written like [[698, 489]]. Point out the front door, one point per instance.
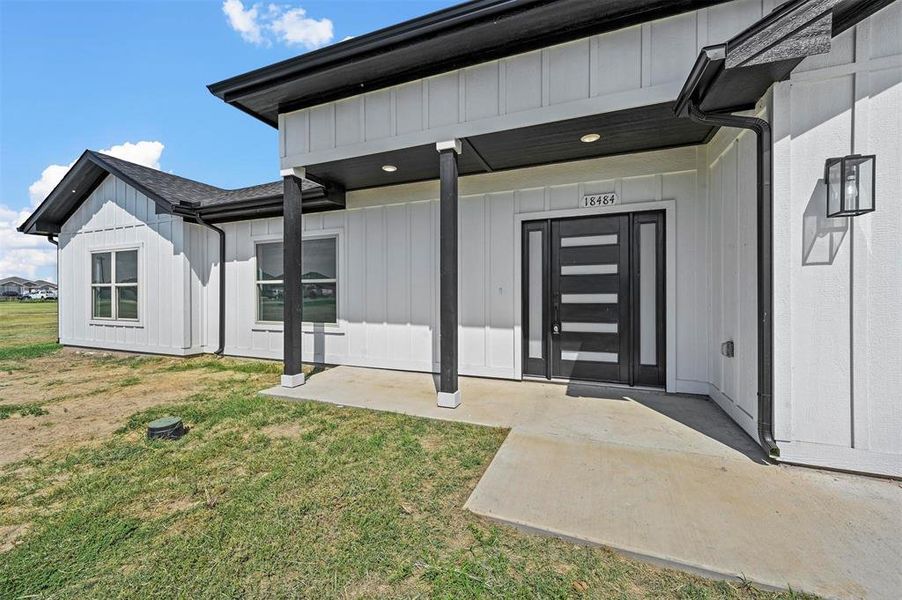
[[594, 298]]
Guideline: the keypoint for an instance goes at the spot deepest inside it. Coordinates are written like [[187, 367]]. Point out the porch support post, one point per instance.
[[449, 393], [292, 374]]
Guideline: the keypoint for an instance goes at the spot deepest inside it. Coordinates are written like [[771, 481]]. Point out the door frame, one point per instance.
[[669, 208]]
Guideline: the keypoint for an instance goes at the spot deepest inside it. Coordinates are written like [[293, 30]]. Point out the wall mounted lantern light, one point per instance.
[[850, 185]]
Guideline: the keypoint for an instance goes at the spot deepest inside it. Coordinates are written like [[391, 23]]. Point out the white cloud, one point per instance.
[[294, 28], [23, 255], [143, 153], [291, 26], [31, 256], [244, 21]]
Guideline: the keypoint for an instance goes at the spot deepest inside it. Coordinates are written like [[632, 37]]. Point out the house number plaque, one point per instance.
[[599, 200]]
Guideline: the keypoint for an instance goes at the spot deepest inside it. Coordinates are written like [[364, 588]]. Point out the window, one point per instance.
[[319, 281], [114, 285]]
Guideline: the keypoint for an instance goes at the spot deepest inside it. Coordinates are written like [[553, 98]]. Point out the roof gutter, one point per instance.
[[707, 68], [195, 216]]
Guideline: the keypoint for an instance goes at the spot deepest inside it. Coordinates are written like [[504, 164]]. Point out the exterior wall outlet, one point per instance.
[[727, 348]]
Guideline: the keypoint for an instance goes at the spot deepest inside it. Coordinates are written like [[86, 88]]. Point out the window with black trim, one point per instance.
[[319, 279], [114, 285]]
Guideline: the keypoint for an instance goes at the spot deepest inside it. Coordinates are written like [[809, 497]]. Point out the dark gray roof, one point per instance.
[[272, 189], [175, 189], [181, 190], [171, 193], [27, 282], [16, 280]]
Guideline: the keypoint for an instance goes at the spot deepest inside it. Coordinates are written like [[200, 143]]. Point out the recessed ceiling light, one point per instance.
[[389, 168], [590, 137]]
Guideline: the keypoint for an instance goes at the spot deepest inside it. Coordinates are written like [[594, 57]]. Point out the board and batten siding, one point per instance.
[[838, 282], [115, 216], [636, 66], [731, 232], [388, 266]]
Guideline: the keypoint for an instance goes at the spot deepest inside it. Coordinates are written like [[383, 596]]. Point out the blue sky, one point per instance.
[[104, 75]]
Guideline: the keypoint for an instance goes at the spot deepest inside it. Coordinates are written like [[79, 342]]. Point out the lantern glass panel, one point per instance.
[[861, 168], [834, 188]]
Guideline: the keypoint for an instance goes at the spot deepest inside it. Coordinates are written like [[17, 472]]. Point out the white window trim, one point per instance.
[[141, 285], [306, 326]]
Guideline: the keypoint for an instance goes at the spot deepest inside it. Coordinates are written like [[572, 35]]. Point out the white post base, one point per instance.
[[292, 381], [449, 399]]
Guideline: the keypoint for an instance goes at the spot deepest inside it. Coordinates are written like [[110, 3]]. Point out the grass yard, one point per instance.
[[261, 498], [27, 323]]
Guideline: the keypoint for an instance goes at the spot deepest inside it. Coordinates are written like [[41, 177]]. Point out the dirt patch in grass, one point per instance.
[[101, 391], [285, 430], [11, 534]]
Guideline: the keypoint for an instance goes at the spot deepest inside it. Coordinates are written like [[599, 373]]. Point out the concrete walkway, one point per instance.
[[668, 478]]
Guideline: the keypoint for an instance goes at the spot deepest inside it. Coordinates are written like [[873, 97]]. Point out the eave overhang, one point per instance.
[[313, 200], [735, 75], [453, 38], [77, 184]]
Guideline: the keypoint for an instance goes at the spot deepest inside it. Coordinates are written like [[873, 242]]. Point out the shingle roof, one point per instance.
[[27, 282], [173, 194], [16, 280], [180, 190], [173, 188], [272, 189]]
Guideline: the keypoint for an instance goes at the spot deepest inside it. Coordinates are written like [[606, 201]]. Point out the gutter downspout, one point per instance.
[[55, 243], [765, 201], [222, 317]]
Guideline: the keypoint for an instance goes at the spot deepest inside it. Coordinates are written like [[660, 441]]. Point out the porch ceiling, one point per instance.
[[622, 132]]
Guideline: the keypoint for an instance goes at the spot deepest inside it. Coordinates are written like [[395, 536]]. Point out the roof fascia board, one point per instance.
[[34, 225], [453, 21], [64, 183], [430, 24], [851, 12]]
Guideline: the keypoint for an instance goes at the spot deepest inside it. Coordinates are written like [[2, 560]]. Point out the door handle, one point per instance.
[[556, 320]]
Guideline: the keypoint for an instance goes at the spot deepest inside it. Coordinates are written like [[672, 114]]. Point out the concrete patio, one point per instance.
[[668, 478]]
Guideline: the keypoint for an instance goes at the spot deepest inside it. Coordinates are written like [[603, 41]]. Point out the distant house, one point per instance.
[[13, 285], [41, 285], [18, 286]]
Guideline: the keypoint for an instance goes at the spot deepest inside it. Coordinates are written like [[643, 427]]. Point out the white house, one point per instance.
[[631, 192]]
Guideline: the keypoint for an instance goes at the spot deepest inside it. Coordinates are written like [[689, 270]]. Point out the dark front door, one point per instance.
[[594, 298]]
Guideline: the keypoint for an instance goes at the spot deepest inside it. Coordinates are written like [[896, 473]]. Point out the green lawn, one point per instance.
[[269, 499], [26, 323]]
